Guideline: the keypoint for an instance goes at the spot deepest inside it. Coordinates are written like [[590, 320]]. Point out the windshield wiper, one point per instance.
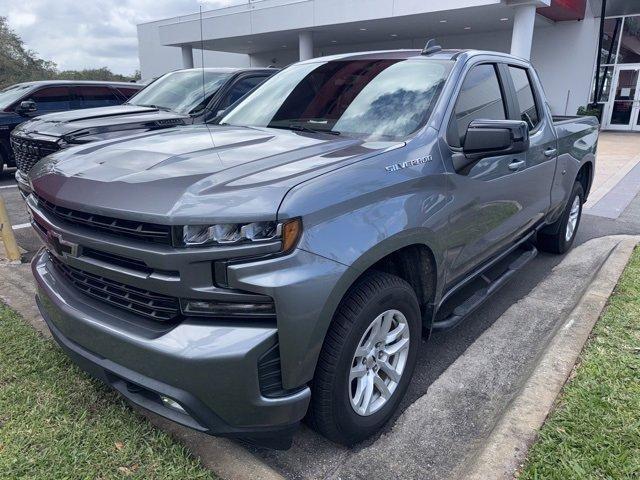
[[301, 128], [166, 109]]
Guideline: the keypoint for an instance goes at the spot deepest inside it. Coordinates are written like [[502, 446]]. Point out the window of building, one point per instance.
[[50, 99], [526, 98], [620, 45], [630, 41], [92, 96], [604, 84], [610, 39], [480, 97]]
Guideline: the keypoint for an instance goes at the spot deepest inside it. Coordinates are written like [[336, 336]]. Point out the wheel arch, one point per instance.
[[585, 177], [403, 247]]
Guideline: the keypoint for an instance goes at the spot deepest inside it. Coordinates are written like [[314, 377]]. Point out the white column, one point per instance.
[[522, 36], [305, 44], [187, 57]]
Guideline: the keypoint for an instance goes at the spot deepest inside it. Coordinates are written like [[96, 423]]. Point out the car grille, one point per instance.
[[128, 228], [132, 299], [27, 152]]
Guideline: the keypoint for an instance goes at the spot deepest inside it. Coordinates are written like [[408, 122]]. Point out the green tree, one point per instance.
[[18, 64]]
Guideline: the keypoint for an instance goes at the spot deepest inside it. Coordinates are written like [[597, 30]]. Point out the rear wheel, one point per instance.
[[367, 359], [558, 237]]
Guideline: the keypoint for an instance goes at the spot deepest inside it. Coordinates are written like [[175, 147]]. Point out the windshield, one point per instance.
[[12, 94], [181, 91], [384, 98]]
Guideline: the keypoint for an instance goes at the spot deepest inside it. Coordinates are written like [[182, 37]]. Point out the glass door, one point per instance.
[[625, 105]]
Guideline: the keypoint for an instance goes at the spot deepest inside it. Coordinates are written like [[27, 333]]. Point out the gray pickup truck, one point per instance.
[[288, 262]]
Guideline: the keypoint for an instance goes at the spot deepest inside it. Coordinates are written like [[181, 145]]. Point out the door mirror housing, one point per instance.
[[26, 106], [486, 138]]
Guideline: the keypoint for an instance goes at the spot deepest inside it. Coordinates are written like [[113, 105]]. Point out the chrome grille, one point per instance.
[[27, 152], [132, 299], [128, 228]]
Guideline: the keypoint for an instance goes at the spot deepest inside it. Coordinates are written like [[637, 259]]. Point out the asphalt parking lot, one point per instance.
[[312, 456]]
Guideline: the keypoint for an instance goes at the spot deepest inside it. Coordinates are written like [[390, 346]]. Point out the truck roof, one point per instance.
[[76, 82], [228, 69], [444, 54]]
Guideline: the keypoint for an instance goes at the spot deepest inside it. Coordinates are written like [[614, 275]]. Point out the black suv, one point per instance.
[[24, 101], [177, 98]]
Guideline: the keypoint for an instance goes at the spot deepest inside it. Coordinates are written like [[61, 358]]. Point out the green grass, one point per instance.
[[594, 432], [56, 422]]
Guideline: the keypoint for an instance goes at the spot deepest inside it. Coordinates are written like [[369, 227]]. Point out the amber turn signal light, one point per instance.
[[291, 231]]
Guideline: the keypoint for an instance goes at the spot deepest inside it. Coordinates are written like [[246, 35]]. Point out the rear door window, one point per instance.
[[526, 98], [92, 96], [480, 97], [52, 99]]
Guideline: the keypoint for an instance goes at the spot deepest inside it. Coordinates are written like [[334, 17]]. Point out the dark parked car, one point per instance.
[[177, 98], [24, 101], [234, 277]]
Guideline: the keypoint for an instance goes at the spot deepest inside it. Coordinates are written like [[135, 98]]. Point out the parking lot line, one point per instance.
[[8, 186], [21, 225]]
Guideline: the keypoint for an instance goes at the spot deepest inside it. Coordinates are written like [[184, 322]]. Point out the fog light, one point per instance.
[[227, 309], [172, 404]]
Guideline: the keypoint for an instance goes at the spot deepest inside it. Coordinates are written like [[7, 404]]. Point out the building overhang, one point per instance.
[[272, 25]]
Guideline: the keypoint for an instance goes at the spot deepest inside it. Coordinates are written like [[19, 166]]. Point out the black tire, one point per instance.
[[331, 412], [553, 238]]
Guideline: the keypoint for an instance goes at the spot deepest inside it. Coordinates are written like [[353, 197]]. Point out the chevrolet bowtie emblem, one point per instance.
[[60, 246]]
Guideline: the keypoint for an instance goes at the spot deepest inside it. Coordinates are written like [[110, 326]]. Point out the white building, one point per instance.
[[561, 37]]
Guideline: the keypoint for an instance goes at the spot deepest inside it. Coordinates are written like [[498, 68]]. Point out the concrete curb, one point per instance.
[[506, 448], [224, 457]]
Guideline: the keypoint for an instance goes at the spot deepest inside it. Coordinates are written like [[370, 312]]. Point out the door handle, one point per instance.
[[551, 152], [516, 164]]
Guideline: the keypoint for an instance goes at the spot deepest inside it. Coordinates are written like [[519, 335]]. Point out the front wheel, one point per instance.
[[558, 237], [367, 359]]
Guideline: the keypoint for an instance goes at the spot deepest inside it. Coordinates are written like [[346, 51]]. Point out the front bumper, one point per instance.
[[23, 184], [208, 367]]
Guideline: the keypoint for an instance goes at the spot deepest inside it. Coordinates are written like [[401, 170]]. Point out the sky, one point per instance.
[[78, 34]]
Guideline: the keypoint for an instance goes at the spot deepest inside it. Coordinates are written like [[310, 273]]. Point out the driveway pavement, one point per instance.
[[313, 457]]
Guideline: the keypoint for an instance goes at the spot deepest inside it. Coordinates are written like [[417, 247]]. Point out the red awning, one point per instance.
[[562, 10]]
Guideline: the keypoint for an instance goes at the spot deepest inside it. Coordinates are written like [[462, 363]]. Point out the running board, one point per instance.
[[469, 305]]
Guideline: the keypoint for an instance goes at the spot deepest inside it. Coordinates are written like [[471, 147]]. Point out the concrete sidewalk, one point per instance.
[[617, 176], [467, 416]]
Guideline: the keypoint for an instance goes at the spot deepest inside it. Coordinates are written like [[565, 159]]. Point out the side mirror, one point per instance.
[[487, 138], [26, 106]]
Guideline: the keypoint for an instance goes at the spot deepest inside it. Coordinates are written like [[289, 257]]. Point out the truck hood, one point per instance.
[[98, 120], [195, 174]]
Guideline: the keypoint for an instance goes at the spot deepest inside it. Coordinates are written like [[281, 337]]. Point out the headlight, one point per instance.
[[230, 233]]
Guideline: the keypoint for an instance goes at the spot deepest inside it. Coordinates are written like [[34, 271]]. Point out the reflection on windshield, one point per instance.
[[386, 98], [12, 94], [181, 92]]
